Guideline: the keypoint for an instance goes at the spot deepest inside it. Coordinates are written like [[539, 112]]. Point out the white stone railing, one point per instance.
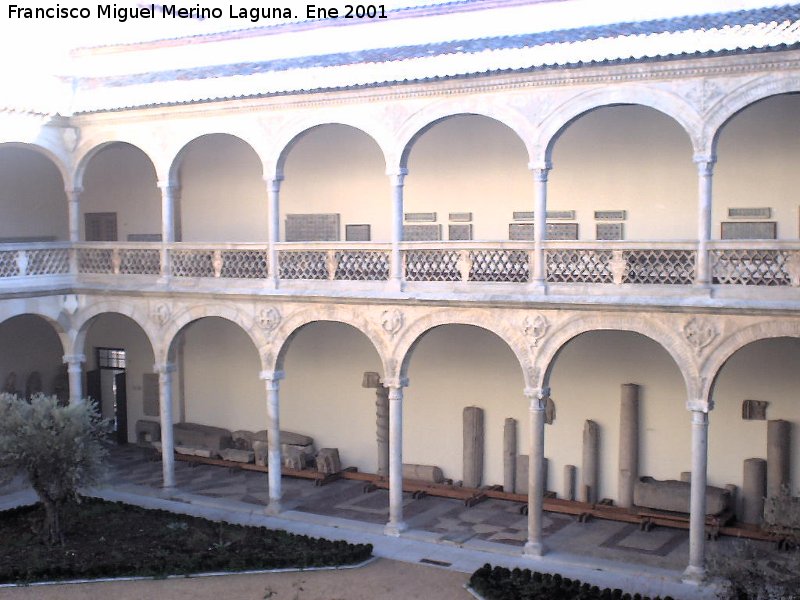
[[750, 263]]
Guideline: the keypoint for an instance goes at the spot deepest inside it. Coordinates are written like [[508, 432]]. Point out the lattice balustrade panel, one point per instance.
[[432, 265], [95, 260], [507, 266], [361, 265], [245, 264], [192, 263], [579, 266], [51, 261], [659, 266], [303, 264], [140, 262], [8, 264], [750, 267]]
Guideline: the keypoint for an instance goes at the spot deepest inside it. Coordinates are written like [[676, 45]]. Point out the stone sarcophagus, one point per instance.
[[674, 496]]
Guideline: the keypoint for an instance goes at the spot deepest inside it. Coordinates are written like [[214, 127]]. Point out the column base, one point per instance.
[[274, 508], [537, 288], [692, 574], [395, 285], [534, 549], [395, 529]]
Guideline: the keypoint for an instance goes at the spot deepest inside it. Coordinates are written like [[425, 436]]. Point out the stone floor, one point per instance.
[[492, 523]]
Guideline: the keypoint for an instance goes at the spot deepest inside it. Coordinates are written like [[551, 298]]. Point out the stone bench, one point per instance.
[[674, 496]]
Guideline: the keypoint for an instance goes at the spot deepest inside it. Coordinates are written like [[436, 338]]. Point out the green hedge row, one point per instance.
[[500, 583]]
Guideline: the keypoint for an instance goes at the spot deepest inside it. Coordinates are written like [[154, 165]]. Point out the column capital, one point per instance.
[[705, 163], [395, 383], [273, 180], [164, 368], [540, 168], [538, 397], [271, 375], [396, 176], [71, 359], [700, 406], [167, 187], [73, 191]]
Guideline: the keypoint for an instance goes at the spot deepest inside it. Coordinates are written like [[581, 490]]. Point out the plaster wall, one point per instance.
[[112, 330], [32, 198], [121, 179], [29, 343]]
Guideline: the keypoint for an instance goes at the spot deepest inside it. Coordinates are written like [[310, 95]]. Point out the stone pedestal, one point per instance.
[[590, 466], [569, 482], [473, 446], [628, 443], [509, 455], [778, 455], [754, 488]]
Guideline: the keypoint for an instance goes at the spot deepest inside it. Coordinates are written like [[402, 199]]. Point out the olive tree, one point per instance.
[[59, 448]]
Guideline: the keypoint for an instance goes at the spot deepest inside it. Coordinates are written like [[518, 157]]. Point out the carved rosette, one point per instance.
[[699, 333], [535, 328], [161, 314], [392, 321], [268, 318]]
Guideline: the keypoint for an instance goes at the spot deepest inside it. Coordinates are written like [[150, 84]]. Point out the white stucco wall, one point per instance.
[[29, 343]]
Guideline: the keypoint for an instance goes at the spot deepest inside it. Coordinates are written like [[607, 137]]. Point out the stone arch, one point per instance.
[[669, 104], [285, 140], [553, 344], [87, 154], [421, 122], [416, 331], [174, 168], [58, 161], [274, 353], [57, 321], [725, 349], [179, 321], [135, 312], [733, 103]]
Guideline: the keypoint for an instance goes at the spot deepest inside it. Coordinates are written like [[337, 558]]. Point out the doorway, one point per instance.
[[107, 386]]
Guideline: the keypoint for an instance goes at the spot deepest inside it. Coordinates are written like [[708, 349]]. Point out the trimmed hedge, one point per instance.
[[500, 583], [111, 539]]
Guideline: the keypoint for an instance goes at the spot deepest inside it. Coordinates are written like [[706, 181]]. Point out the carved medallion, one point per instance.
[[70, 137], [699, 333], [535, 328], [269, 318], [161, 313], [392, 321], [69, 303]]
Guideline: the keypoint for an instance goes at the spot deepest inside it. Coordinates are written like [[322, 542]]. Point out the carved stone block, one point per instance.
[[242, 456], [328, 461]]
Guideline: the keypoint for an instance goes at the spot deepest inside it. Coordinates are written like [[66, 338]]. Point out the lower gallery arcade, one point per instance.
[[467, 391]]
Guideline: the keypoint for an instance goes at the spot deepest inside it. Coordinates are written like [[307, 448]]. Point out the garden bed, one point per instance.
[[111, 539]]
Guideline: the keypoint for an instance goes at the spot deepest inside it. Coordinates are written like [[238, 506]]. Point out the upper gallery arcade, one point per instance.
[[615, 198]]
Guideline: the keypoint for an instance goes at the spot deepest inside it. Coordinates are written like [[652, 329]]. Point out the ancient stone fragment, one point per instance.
[[473, 446]]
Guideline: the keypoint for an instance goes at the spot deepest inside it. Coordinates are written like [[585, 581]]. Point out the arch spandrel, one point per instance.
[[664, 334], [669, 104], [490, 321], [417, 124], [274, 351]]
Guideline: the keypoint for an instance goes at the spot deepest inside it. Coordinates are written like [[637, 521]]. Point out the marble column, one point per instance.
[[778, 453], [274, 227], [540, 225], [754, 489], [697, 503], [538, 402], [705, 171], [396, 525], [628, 443], [473, 446], [396, 274], [74, 364], [165, 372], [170, 222], [382, 428], [509, 455], [591, 462], [74, 213], [272, 379]]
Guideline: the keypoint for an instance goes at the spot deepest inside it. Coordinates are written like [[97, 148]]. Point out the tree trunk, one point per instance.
[[52, 523]]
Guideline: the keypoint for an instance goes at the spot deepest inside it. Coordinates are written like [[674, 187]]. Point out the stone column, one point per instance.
[[778, 453], [705, 171], [170, 222], [274, 226], [395, 526], [396, 274], [697, 504], [509, 455], [74, 364], [271, 379], [540, 224], [591, 462], [382, 428], [165, 372], [473, 447], [754, 489], [569, 482], [538, 402], [628, 443], [74, 212]]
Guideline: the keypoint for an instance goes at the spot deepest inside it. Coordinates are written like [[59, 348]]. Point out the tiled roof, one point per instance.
[[774, 28]]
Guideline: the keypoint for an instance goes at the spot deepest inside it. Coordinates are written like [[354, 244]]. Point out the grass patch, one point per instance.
[[500, 583], [111, 539]]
